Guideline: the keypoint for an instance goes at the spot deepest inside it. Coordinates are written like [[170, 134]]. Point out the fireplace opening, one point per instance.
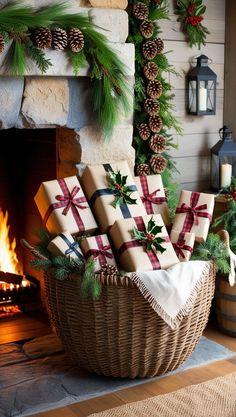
[[27, 158]]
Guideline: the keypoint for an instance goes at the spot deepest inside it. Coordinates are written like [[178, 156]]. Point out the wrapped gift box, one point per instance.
[[63, 206], [64, 244], [95, 181], [183, 244], [132, 254], [98, 248], [194, 214], [151, 190]]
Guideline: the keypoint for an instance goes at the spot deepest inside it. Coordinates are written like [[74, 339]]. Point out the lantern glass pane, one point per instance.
[[232, 161], [215, 167], [202, 96], [192, 96], [210, 95]]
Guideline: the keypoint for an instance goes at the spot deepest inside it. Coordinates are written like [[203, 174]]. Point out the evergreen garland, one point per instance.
[[110, 91], [213, 249], [155, 12]]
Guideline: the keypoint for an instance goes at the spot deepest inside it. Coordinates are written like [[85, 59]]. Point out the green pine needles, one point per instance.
[[110, 91], [213, 249]]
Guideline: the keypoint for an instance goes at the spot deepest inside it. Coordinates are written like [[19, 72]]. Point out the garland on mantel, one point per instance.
[[30, 32]]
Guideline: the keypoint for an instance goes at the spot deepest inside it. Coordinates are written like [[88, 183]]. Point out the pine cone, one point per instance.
[[149, 50], [2, 44], [75, 40], [43, 38], [154, 89], [144, 131], [150, 70], [157, 143], [155, 124], [151, 107], [142, 169], [140, 11], [59, 39], [146, 29], [158, 164], [160, 45], [108, 270]]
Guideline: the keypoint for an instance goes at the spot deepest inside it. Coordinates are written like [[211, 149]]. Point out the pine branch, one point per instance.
[[16, 61], [78, 61], [38, 56], [213, 249]]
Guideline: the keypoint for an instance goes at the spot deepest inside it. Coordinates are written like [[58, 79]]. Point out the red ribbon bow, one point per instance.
[[101, 253], [149, 198], [193, 212], [69, 200], [180, 246]]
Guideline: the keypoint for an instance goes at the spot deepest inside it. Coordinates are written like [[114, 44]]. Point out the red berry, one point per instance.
[[150, 236], [117, 187]]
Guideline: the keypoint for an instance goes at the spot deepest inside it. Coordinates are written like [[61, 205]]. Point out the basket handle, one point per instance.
[[34, 251], [224, 235]]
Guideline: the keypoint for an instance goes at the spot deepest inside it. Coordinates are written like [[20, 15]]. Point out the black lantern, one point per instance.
[[223, 160], [201, 88]]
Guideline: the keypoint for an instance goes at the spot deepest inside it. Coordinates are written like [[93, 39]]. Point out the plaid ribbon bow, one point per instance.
[[193, 212], [101, 253], [68, 201], [180, 246], [72, 247], [149, 198]]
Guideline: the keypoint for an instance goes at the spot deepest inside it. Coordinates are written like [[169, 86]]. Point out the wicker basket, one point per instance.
[[120, 335]]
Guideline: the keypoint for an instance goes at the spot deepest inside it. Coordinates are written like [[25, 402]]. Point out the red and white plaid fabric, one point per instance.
[[102, 252], [149, 198], [193, 212], [69, 201]]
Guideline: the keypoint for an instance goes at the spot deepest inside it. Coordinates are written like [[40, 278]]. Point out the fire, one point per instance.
[[8, 257]]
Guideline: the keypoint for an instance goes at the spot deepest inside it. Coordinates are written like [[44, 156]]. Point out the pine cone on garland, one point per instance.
[[151, 107], [160, 45], [142, 169], [140, 11], [158, 164], [108, 270], [149, 50], [157, 143], [75, 40], [144, 131], [59, 39], [43, 38], [155, 124], [146, 29], [2, 44], [154, 89], [150, 70]]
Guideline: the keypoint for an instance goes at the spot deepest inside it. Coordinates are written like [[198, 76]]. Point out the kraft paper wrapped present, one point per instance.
[[98, 248], [151, 190], [102, 192], [132, 253], [183, 244], [194, 214], [64, 244], [63, 207]]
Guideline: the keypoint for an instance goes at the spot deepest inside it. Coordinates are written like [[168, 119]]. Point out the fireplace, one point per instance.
[[27, 158]]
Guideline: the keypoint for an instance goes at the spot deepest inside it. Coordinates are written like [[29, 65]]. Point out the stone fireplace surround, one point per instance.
[[58, 99]]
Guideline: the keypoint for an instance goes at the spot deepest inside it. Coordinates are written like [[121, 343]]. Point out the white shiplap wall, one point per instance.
[[200, 133]]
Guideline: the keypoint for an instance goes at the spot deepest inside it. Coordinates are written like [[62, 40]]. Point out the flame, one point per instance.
[[8, 257]]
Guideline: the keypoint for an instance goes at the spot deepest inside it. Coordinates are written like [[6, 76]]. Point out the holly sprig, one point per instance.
[[191, 15], [122, 192], [150, 237]]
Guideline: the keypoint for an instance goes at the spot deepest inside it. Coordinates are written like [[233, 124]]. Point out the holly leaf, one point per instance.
[[123, 180], [156, 229], [138, 235], [129, 200], [118, 200], [158, 247], [118, 178], [151, 224]]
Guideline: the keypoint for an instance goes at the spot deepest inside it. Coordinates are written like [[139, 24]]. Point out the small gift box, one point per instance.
[[194, 214], [64, 244], [142, 244], [151, 190], [111, 193], [63, 206], [98, 248], [183, 244]]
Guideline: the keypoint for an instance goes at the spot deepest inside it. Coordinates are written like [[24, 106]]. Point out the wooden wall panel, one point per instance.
[[199, 133]]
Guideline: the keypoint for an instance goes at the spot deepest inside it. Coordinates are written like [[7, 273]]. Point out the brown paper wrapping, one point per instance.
[[95, 178], [59, 247], [200, 230], [57, 222], [136, 259], [154, 183], [189, 239], [90, 243]]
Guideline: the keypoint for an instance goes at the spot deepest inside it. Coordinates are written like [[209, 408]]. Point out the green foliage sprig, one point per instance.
[[117, 183], [191, 15], [108, 75], [150, 237], [213, 249]]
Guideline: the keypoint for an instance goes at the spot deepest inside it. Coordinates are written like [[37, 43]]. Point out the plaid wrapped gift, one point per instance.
[[64, 244], [98, 248], [63, 206], [183, 244], [151, 190], [194, 214], [132, 254], [97, 189]]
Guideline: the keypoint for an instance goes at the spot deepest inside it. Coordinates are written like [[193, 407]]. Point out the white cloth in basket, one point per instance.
[[172, 292]]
